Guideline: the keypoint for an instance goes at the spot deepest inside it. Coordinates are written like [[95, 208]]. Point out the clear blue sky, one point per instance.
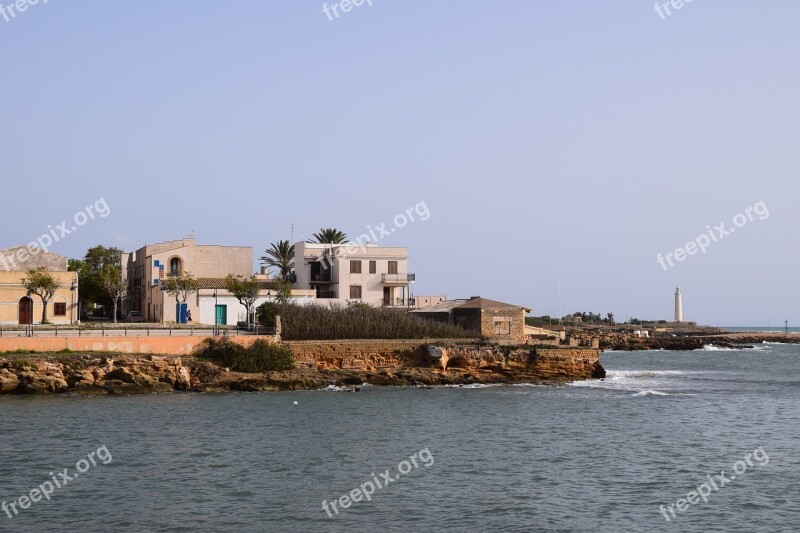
[[547, 139]]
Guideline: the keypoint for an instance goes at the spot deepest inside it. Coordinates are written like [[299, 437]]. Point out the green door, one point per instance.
[[221, 315]]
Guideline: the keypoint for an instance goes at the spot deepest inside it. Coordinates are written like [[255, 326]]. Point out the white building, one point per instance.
[[341, 273], [215, 305]]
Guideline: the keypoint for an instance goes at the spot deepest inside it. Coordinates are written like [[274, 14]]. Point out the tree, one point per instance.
[[95, 271], [41, 283], [245, 290], [283, 291], [330, 236], [280, 255], [110, 279], [180, 285]]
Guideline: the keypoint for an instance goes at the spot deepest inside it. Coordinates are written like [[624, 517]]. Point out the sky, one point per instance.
[[551, 144]]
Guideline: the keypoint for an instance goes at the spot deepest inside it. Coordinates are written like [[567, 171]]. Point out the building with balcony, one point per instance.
[[342, 273]]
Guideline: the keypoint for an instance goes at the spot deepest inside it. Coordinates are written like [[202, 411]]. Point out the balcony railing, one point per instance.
[[398, 278]]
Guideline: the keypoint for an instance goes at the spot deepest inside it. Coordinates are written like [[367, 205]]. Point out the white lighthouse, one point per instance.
[[678, 305]]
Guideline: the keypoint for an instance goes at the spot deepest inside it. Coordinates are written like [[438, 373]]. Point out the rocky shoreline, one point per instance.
[[627, 342], [92, 374]]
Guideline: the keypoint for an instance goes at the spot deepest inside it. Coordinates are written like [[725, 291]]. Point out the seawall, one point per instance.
[[160, 345]]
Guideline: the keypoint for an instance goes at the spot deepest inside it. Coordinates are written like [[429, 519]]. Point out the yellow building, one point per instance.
[[19, 307], [145, 269]]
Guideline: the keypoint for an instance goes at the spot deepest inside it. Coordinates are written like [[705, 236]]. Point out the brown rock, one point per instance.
[[8, 382], [120, 374], [34, 383]]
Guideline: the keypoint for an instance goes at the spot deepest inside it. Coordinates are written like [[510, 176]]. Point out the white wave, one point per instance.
[[470, 386], [714, 348], [336, 388], [651, 393], [641, 382], [646, 374]]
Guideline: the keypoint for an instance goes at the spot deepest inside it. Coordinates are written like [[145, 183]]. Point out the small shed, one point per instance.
[[489, 318]]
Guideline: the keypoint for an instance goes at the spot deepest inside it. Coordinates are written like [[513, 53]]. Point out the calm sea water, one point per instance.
[[780, 328], [590, 456]]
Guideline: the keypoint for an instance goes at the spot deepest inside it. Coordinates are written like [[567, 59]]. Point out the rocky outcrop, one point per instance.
[[629, 342], [87, 374], [424, 365]]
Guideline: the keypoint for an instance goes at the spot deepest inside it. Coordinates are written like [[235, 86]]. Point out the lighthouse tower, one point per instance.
[[678, 305]]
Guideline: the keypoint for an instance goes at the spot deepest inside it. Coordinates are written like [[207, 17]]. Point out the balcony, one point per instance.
[[398, 279]]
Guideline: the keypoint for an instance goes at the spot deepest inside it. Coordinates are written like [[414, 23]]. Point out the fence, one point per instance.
[[123, 330]]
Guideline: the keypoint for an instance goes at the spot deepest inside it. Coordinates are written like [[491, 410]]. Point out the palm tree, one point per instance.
[[329, 236], [281, 256]]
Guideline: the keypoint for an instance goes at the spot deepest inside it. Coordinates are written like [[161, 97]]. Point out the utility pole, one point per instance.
[[560, 313]]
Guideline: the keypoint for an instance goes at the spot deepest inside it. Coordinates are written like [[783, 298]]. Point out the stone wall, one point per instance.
[[503, 323], [138, 345], [364, 354], [566, 362]]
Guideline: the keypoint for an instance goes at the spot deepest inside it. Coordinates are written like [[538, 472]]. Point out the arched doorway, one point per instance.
[[25, 311]]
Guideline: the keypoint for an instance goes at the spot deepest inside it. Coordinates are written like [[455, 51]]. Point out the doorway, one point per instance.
[[25, 311], [221, 315]]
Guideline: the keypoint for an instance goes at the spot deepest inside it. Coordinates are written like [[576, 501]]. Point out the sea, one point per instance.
[[670, 441], [763, 329]]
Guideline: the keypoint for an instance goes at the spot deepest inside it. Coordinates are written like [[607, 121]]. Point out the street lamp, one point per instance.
[[216, 315], [75, 289]]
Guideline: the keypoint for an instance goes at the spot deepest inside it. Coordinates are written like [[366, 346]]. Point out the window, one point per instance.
[[502, 326], [373, 267], [355, 268], [355, 292], [60, 309], [175, 265], [392, 267]]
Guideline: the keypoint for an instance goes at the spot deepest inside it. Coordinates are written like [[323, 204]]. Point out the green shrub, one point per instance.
[[261, 356], [269, 356], [22, 364]]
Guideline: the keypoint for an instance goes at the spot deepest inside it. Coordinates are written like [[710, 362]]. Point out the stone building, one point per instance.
[[146, 268], [489, 318]]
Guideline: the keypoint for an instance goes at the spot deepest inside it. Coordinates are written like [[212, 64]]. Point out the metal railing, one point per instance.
[[398, 278], [123, 330]]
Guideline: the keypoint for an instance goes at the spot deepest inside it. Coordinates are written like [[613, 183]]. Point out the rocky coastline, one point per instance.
[[100, 374], [628, 342]]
